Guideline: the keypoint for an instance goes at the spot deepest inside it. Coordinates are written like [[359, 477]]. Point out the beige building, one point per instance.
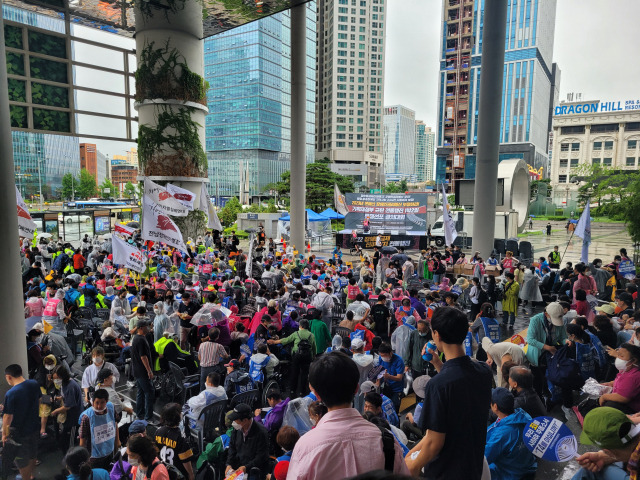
[[350, 93], [593, 133]]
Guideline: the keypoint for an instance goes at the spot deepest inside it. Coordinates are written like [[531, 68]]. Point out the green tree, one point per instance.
[[396, 187], [86, 187], [129, 190], [230, 212], [533, 187], [320, 181], [107, 185], [70, 186], [630, 209]]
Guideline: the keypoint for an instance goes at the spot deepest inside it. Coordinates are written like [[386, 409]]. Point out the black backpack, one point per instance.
[[564, 371], [482, 296], [304, 348], [174, 473], [388, 449]]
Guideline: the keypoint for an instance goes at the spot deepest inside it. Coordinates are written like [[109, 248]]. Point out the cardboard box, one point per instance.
[[492, 270], [457, 269], [468, 269]]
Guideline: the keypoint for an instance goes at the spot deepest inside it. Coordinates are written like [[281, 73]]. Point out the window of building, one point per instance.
[[632, 144], [631, 162], [340, 144], [575, 147], [562, 179], [597, 145], [568, 130], [564, 163], [604, 128], [608, 145], [595, 161], [632, 127], [575, 162], [606, 162], [564, 147]]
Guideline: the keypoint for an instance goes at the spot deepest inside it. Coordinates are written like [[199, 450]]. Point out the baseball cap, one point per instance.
[[626, 298], [420, 385], [242, 410], [357, 344], [138, 426], [555, 311], [607, 309], [103, 374], [143, 323], [233, 363], [367, 386], [503, 398], [608, 428], [38, 326]]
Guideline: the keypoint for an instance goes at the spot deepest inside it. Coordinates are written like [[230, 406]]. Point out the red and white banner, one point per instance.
[[127, 255], [26, 225], [184, 196], [123, 229], [164, 200], [158, 227], [207, 207]]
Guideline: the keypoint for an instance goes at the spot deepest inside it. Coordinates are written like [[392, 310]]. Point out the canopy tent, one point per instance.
[[318, 225], [311, 216], [331, 214]]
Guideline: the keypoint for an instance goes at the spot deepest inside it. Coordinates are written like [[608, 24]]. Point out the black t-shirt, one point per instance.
[[457, 402], [174, 448], [23, 402], [262, 333], [380, 314], [190, 310], [140, 348], [376, 258]]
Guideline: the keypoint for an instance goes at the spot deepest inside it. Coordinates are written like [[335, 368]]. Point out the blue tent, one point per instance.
[[332, 214], [311, 215]]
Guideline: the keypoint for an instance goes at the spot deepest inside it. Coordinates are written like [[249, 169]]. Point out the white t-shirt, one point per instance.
[[90, 375]]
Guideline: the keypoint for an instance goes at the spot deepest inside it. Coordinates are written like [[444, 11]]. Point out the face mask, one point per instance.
[[49, 367], [385, 359], [636, 342], [133, 462], [620, 364], [236, 425], [39, 339], [422, 334], [313, 421], [99, 411], [97, 360], [57, 383]]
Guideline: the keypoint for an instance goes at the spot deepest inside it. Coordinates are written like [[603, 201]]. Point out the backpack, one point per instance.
[[174, 473], [388, 449], [564, 371], [482, 296], [304, 348]]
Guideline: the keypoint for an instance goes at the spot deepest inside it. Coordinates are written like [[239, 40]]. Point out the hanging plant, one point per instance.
[[147, 7], [164, 73], [187, 158]]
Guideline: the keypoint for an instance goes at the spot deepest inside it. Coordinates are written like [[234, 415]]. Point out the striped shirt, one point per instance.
[[210, 353]]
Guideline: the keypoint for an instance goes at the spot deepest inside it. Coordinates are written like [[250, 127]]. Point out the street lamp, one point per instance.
[[40, 181]]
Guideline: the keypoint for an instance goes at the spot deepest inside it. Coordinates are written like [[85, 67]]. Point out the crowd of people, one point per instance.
[[322, 368]]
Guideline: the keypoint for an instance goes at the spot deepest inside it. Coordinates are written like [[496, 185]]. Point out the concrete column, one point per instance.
[[298, 124], [484, 217], [13, 348]]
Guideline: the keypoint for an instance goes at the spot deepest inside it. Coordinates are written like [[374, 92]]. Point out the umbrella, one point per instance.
[[389, 250], [44, 235], [209, 314], [135, 225]]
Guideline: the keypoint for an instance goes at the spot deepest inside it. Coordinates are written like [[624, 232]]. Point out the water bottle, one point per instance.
[[427, 355]]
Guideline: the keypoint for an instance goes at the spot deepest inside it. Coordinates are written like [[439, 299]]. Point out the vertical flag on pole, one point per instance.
[[450, 233], [339, 201], [26, 225], [206, 206], [583, 230]]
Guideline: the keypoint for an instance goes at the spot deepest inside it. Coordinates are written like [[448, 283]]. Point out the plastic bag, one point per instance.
[[594, 389], [408, 381], [297, 415]]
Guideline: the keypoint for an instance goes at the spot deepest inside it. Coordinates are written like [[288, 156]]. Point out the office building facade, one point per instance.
[[399, 143], [529, 86], [93, 161], [248, 128], [425, 152], [350, 93], [122, 172], [591, 133]]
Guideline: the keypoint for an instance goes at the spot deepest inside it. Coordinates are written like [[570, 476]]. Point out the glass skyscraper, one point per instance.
[[399, 143], [528, 90], [248, 128], [425, 142]]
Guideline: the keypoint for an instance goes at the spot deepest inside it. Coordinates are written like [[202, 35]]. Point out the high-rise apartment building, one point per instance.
[[425, 152], [399, 143], [350, 93], [248, 128], [530, 80], [93, 161]]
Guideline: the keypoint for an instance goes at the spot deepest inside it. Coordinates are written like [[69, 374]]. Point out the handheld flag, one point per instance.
[[158, 227], [450, 233], [583, 230], [206, 206], [339, 200], [26, 225], [127, 255], [164, 200], [182, 195]]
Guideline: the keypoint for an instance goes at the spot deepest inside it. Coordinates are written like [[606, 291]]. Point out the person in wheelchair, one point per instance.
[[169, 351], [262, 363], [237, 380]]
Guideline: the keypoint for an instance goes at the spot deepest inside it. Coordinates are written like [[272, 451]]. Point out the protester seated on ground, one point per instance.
[[521, 385], [605, 331], [625, 394], [317, 410], [618, 437], [410, 424], [505, 451], [373, 403], [212, 392]]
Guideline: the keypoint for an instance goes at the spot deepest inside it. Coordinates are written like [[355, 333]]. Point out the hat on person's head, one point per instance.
[[242, 410], [143, 323], [138, 426], [410, 320], [357, 344], [367, 386], [503, 399], [103, 374], [607, 309], [38, 326], [272, 304], [281, 470], [555, 312], [626, 298], [609, 428], [420, 385], [233, 363], [462, 282]]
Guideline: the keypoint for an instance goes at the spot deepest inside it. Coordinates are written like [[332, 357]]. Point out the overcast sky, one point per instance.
[[595, 45]]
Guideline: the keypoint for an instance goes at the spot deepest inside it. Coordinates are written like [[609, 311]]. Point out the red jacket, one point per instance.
[[368, 336]]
